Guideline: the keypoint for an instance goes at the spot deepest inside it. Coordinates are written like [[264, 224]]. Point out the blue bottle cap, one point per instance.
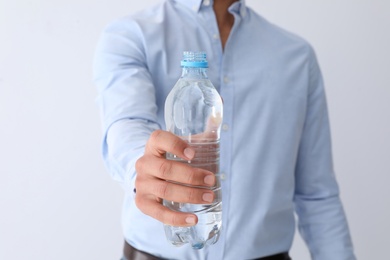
[[194, 59]]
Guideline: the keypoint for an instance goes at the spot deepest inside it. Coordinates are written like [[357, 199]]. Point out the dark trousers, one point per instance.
[[131, 253]]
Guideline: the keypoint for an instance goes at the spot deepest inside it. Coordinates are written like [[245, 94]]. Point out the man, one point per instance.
[[275, 141]]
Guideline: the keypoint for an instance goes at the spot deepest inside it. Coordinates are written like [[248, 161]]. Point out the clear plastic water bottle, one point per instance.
[[193, 111]]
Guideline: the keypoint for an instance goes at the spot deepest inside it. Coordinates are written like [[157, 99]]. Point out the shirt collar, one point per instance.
[[195, 5]]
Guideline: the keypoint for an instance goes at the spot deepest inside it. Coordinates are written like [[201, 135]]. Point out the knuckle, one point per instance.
[[141, 185], [191, 194], [161, 189], [170, 218], [138, 202], [158, 214], [155, 135], [155, 142], [165, 169], [176, 145], [175, 220], [137, 184], [191, 177], [139, 165]]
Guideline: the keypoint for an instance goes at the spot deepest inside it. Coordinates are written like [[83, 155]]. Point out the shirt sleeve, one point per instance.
[[321, 218], [126, 98]]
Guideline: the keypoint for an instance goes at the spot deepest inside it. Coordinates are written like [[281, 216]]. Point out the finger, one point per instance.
[[163, 141], [175, 171], [175, 192], [150, 206]]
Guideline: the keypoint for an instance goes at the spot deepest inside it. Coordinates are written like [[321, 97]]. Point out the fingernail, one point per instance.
[[207, 197], [209, 179], [189, 153], [190, 220]]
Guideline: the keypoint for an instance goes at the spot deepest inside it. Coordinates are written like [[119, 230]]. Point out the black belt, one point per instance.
[[131, 253]]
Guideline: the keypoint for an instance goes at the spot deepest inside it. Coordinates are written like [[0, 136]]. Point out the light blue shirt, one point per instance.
[[275, 141]]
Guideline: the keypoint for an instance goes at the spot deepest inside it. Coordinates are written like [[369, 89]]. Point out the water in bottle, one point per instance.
[[193, 111]]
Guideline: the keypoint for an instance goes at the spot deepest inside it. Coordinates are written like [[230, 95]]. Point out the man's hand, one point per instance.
[[159, 178]]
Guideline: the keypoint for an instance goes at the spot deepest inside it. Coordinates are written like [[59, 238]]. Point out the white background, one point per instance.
[[56, 199]]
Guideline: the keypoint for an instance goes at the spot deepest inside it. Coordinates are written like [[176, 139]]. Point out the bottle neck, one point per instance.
[[195, 73]]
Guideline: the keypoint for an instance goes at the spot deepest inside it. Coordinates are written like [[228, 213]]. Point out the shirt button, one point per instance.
[[206, 2], [223, 176], [216, 36], [226, 80], [225, 127]]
